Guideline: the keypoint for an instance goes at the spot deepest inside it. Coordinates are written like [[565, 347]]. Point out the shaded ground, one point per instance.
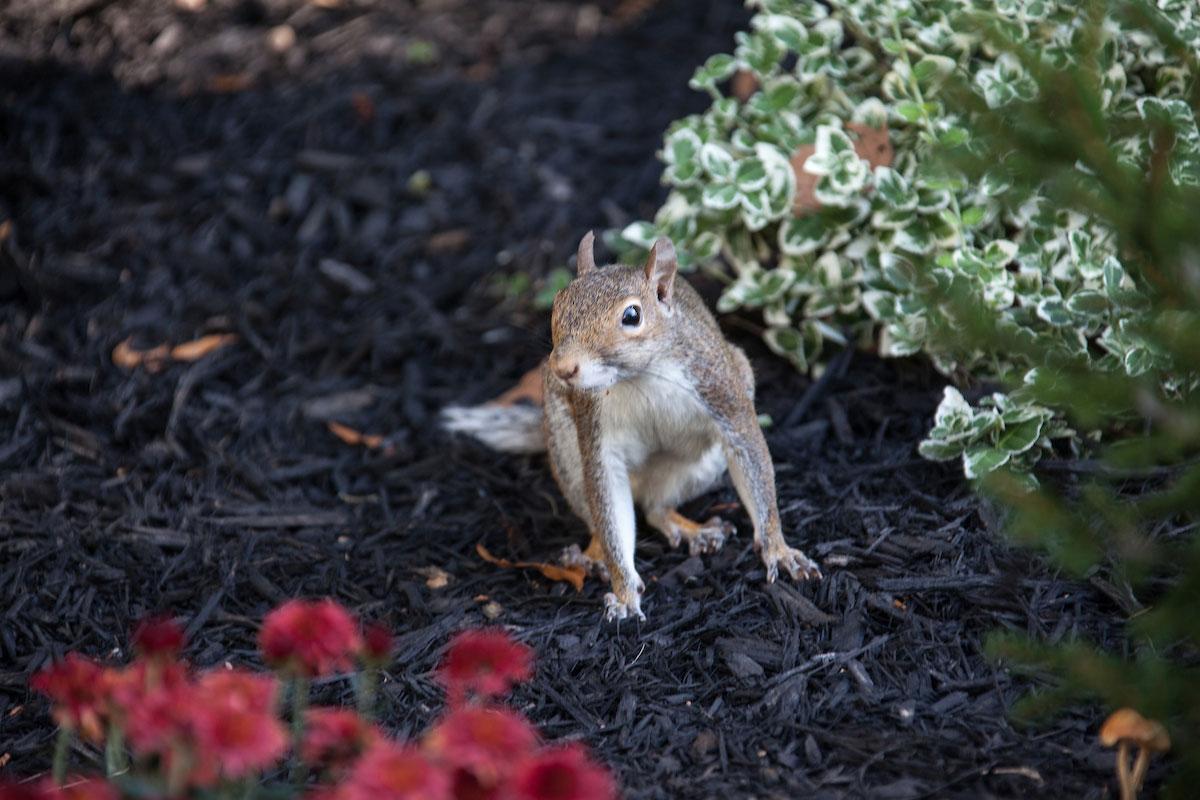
[[165, 175]]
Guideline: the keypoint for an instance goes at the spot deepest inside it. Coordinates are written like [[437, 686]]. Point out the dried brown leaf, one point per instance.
[[199, 348], [743, 85], [353, 437], [435, 577], [528, 388], [127, 357], [873, 145], [572, 575]]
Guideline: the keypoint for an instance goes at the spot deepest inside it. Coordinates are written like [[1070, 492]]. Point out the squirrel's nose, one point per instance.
[[566, 370]]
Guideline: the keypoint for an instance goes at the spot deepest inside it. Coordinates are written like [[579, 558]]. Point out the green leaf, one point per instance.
[[716, 162], [720, 196], [799, 236], [910, 110], [750, 174], [981, 459], [641, 234], [1022, 436]]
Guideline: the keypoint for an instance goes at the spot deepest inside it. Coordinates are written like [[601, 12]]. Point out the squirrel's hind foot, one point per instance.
[[701, 537], [793, 562], [590, 560]]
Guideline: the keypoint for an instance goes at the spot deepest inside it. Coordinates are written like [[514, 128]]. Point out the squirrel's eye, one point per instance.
[[631, 317]]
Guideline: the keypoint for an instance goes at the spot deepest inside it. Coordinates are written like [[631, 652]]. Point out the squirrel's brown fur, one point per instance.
[[651, 413]]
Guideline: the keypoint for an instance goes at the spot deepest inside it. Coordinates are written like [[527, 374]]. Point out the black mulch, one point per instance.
[[166, 174]]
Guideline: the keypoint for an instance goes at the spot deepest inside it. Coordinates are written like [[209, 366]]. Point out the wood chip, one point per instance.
[[572, 575]]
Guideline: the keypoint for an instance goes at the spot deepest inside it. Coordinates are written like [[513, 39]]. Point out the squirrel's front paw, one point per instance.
[[793, 562], [625, 600], [615, 609]]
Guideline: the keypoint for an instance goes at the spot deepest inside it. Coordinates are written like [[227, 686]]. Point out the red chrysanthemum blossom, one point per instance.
[[377, 644], [159, 718], [158, 637], [309, 638], [395, 772], [486, 741], [12, 790], [234, 722], [80, 690], [240, 742], [486, 662], [240, 690], [562, 773], [335, 737]]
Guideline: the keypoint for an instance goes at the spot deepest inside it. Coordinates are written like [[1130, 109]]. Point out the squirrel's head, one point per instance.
[[610, 323]]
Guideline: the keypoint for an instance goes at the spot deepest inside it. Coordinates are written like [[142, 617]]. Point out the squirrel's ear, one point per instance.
[[660, 268], [585, 260]]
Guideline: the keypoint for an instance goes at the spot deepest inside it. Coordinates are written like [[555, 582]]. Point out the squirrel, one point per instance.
[[644, 401]]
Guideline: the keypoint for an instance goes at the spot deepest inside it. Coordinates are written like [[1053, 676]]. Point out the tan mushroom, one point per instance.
[[1124, 728]]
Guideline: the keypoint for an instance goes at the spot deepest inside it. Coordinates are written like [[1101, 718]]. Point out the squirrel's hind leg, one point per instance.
[[664, 483]]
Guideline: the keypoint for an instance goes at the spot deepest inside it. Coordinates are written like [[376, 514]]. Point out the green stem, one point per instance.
[[299, 704], [365, 687], [62, 746], [115, 762]]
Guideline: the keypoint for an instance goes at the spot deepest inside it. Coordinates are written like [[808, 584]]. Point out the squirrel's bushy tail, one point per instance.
[[507, 428]]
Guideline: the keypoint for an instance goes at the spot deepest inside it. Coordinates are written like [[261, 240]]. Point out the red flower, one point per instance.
[[486, 741], [234, 722], [158, 636], [309, 638], [377, 644], [390, 771], [563, 773], [486, 662], [239, 690], [240, 742], [334, 737], [80, 689]]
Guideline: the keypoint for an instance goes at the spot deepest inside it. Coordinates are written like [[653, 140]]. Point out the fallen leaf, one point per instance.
[[125, 356], [435, 577], [229, 83], [806, 182], [447, 241], [572, 575], [528, 388], [352, 437], [871, 144], [364, 106], [199, 348]]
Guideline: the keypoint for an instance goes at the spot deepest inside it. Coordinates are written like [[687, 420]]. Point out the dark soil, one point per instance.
[[166, 174]]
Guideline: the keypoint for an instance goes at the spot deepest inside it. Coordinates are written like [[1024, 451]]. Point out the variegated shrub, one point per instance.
[[820, 198]]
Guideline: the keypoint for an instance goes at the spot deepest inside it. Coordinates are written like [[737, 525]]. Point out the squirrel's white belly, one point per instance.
[[657, 418]]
